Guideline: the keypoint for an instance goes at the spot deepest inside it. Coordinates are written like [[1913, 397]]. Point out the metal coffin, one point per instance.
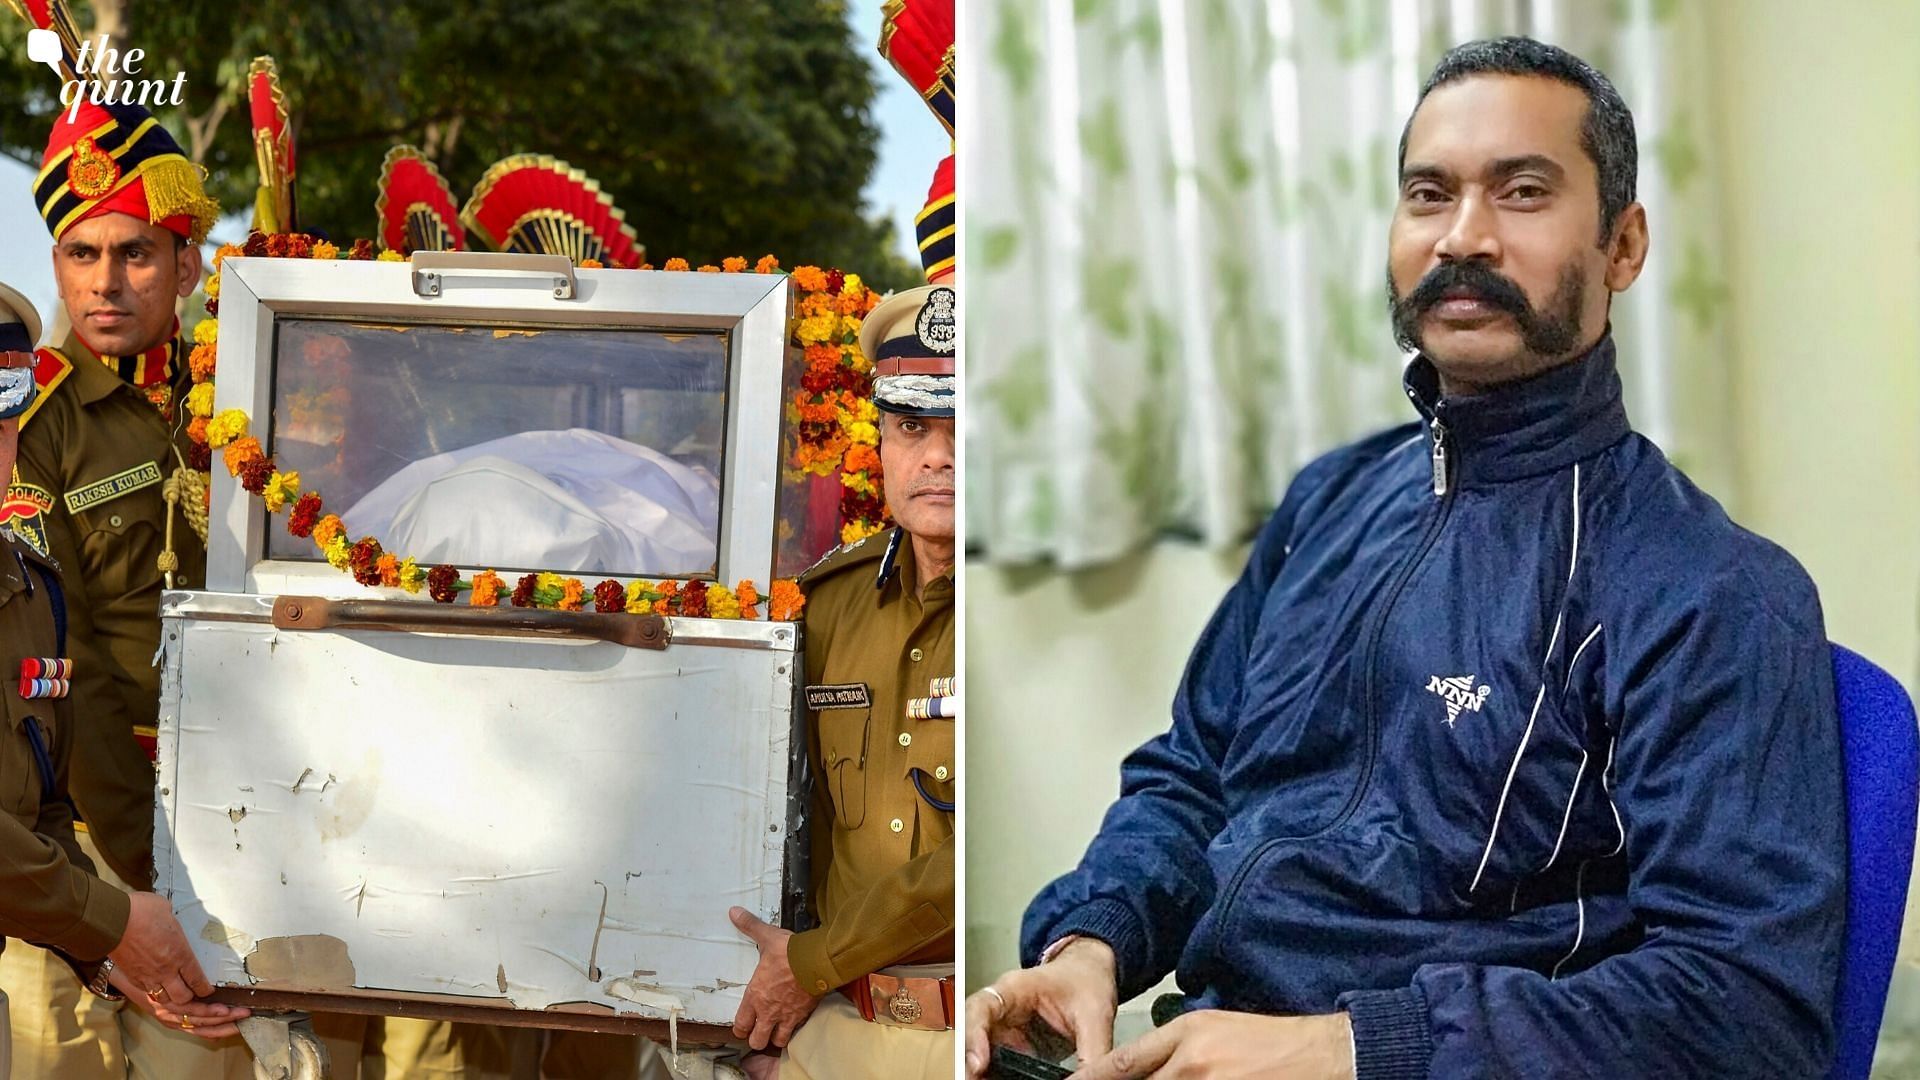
[[487, 810]]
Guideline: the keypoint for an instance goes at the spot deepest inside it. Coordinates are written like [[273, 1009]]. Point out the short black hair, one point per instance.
[[1606, 134]]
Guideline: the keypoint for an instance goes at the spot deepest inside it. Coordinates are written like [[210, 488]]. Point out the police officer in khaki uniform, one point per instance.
[[869, 993], [114, 943], [98, 447]]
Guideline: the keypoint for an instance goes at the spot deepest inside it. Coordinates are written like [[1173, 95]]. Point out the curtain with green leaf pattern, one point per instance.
[[1176, 242]]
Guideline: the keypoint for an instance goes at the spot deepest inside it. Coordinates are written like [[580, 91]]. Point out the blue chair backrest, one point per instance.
[[1881, 747]]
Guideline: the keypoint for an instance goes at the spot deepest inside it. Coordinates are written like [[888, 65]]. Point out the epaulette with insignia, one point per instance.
[[846, 555], [50, 369]]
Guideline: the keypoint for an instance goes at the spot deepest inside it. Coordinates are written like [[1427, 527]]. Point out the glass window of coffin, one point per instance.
[[578, 451]]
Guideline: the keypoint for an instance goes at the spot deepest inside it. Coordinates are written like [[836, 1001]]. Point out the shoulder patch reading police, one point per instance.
[[122, 483], [854, 695], [21, 512]]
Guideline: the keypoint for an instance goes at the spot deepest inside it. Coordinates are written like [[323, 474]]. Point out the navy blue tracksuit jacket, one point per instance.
[[1509, 743]]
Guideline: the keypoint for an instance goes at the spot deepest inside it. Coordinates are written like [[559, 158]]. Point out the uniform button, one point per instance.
[[940, 773], [114, 522], [832, 757], [906, 739], [895, 825], [916, 654], [819, 984]]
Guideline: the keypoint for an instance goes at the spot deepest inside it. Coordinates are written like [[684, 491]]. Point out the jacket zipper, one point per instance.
[[1443, 492]]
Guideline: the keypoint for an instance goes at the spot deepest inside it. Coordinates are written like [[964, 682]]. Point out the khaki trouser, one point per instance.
[[62, 1032], [836, 1043], [404, 1049]]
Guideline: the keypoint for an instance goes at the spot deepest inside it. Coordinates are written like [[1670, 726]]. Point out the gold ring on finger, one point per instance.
[[156, 995]]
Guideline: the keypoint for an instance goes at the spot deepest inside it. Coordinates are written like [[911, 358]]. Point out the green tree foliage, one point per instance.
[[720, 127]]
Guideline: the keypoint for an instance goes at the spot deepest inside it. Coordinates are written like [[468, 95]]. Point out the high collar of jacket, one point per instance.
[[1529, 426]]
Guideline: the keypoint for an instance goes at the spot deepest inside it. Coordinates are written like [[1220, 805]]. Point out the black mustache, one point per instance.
[[1486, 285]]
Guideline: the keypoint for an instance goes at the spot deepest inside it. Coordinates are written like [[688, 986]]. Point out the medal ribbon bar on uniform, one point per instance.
[[45, 677]]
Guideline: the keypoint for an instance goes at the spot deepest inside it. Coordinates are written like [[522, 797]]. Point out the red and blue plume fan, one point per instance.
[[916, 37], [537, 203], [416, 208], [273, 206], [53, 15]]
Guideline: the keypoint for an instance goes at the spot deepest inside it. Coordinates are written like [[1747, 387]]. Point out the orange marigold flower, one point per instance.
[[709, 268], [388, 567], [861, 459], [200, 362], [823, 355], [197, 429], [329, 529], [851, 305], [786, 603], [747, 595], [645, 266], [767, 265], [810, 278], [591, 264], [733, 264], [241, 451], [667, 590], [486, 589], [572, 594], [676, 264]]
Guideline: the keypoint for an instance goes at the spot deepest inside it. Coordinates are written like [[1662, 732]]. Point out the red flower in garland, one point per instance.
[[441, 581], [362, 251], [523, 590], [255, 246], [255, 474], [835, 281], [609, 597], [306, 514], [199, 457], [363, 559], [693, 600]]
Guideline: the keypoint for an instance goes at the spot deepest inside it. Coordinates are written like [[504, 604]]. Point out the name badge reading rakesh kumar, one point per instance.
[[853, 695]]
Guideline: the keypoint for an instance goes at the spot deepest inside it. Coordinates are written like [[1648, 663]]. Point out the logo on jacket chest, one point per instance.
[[1459, 693]]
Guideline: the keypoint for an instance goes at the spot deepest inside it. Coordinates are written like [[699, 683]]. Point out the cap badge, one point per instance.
[[91, 172], [937, 328]]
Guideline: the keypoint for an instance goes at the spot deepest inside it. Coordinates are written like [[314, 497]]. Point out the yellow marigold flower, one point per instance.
[[327, 530], [239, 452], [675, 264], [281, 486], [213, 286], [850, 328], [221, 255], [391, 256], [200, 400], [865, 409], [337, 551], [815, 330], [733, 264], [864, 433], [226, 427], [548, 580], [206, 331], [767, 265], [721, 603], [325, 249], [853, 286], [412, 578]]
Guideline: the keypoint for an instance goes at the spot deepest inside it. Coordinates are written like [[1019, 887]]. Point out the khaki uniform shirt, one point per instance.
[[883, 863], [47, 893], [93, 455]]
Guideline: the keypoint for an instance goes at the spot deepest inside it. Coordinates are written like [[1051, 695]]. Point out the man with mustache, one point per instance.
[[127, 212], [869, 993], [1509, 754]]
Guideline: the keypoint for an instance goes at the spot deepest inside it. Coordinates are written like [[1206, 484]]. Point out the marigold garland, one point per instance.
[[834, 417]]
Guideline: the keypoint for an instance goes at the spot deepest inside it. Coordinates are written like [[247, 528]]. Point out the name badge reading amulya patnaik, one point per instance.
[[853, 695]]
